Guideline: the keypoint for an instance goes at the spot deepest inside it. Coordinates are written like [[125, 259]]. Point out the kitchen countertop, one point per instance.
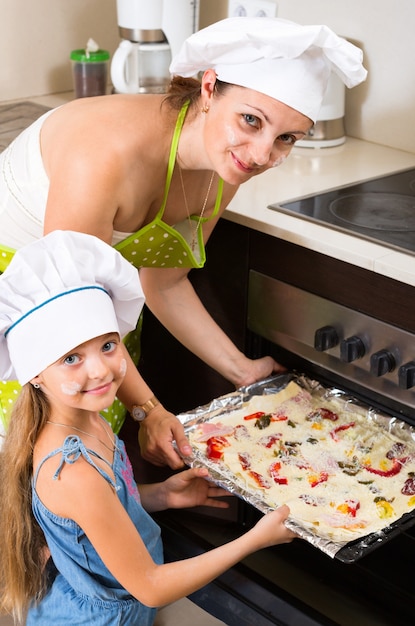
[[313, 171]]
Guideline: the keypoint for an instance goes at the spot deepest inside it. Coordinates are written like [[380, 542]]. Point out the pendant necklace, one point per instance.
[[195, 228], [113, 447]]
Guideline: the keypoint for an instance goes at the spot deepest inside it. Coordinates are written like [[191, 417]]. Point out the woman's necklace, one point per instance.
[[113, 447], [195, 229]]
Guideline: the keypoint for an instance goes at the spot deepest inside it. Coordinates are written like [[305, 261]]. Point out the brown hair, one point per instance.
[[182, 90], [23, 551]]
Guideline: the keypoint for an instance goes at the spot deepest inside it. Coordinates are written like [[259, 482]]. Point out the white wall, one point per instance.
[[36, 37]]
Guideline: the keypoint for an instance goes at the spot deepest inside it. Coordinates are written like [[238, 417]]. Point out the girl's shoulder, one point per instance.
[[65, 472]]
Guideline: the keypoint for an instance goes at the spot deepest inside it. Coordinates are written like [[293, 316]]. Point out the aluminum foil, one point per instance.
[[346, 552]]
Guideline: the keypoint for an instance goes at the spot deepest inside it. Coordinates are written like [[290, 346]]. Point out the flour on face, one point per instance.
[[123, 367], [70, 389]]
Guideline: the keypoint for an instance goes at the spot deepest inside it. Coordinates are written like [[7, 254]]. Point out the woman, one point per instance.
[[66, 484], [143, 172]]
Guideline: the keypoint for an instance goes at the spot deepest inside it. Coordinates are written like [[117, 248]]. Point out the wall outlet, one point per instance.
[[252, 8]]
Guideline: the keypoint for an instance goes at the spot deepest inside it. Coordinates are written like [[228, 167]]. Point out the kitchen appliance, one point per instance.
[[328, 130], [152, 33], [380, 210], [347, 327]]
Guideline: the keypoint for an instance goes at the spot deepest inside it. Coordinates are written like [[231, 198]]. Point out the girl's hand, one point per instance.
[[191, 488], [270, 530]]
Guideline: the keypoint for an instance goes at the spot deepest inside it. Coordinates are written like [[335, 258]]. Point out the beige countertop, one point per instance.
[[312, 171]]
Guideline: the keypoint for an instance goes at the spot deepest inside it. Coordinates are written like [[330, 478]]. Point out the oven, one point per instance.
[[347, 327]]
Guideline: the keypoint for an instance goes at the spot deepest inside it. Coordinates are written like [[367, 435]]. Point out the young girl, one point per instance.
[[78, 543]]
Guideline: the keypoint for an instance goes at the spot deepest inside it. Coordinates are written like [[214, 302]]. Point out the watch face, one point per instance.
[[138, 413]]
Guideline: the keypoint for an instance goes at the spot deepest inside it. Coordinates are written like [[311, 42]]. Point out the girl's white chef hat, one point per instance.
[[59, 292], [277, 57]]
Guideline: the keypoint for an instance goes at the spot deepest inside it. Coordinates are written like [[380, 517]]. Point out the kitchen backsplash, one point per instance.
[[37, 37]]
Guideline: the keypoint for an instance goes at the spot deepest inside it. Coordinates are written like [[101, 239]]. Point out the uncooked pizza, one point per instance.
[[342, 475]]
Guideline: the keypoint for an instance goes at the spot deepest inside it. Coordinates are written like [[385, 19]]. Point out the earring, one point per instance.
[[36, 385], [205, 108]]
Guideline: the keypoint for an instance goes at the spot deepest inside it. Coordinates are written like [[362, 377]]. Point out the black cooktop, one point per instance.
[[380, 210]]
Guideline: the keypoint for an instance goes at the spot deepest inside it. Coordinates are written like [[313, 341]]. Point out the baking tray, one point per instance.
[[347, 553]]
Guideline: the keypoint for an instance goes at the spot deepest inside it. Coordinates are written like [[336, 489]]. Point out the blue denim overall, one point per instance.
[[83, 590]]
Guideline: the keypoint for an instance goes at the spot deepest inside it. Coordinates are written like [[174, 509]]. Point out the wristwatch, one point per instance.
[[140, 411]]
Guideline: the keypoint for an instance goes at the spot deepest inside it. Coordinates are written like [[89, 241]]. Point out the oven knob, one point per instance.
[[406, 375], [325, 338], [351, 349], [381, 363]]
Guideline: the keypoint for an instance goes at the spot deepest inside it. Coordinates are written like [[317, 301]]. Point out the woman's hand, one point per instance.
[[156, 435], [192, 488], [252, 370], [258, 369]]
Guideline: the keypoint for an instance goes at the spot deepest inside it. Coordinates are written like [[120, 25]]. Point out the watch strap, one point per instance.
[[147, 406]]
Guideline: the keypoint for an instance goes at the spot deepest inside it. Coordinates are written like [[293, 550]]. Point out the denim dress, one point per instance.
[[83, 591]]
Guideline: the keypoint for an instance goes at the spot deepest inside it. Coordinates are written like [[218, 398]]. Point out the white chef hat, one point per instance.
[[277, 57], [59, 292]]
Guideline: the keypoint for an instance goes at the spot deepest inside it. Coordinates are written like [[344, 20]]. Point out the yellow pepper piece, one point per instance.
[[385, 510], [343, 508]]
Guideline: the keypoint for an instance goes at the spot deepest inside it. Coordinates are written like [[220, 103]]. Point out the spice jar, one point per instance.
[[90, 72]]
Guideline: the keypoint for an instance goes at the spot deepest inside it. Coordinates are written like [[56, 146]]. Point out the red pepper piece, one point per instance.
[[323, 476], [392, 471], [274, 472], [278, 418], [333, 433], [214, 448], [259, 479], [352, 507], [326, 414], [271, 440], [254, 416]]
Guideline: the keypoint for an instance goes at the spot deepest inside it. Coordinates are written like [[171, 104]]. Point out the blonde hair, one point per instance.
[[23, 552]]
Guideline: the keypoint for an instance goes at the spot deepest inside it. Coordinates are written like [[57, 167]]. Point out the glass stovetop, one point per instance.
[[380, 210]]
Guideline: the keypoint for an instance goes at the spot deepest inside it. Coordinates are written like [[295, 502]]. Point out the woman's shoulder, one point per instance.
[[106, 125]]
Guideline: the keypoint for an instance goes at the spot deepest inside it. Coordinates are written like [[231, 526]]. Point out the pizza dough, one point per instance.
[[342, 475]]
